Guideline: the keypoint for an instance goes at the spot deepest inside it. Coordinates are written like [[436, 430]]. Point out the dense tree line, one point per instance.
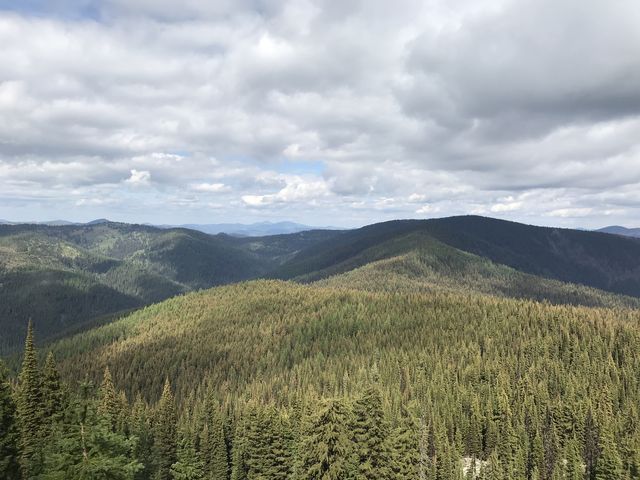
[[365, 386]]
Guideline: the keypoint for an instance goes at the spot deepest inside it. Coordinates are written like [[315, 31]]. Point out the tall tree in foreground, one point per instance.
[[370, 434], [189, 466], [109, 406], [214, 446], [326, 452], [405, 449], [30, 409], [52, 392], [9, 465], [84, 447], [164, 435]]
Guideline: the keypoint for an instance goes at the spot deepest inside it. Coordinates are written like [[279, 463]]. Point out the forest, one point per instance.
[[277, 380], [391, 355]]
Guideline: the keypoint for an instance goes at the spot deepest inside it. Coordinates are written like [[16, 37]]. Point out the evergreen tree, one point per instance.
[[405, 449], [9, 464], [268, 454], [109, 406], [240, 468], [84, 447], [609, 464], [30, 409], [370, 435], [572, 468], [213, 445], [52, 391], [189, 466], [326, 452], [164, 435], [140, 427]]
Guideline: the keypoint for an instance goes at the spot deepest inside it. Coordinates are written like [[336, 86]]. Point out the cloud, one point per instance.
[[137, 177], [211, 187], [296, 190], [524, 109]]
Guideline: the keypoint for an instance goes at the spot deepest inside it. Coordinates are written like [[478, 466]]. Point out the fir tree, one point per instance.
[[30, 409], [240, 468], [164, 435], [109, 406], [140, 427], [326, 452], [370, 435], [609, 464], [214, 446], [84, 447], [52, 391], [189, 466], [405, 449], [9, 464]]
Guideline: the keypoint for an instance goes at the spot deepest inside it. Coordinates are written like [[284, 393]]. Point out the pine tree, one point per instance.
[[572, 465], [239, 452], [189, 466], [52, 391], [84, 447], [164, 435], [9, 464], [405, 451], [370, 435], [30, 409], [609, 464], [215, 452], [326, 451], [109, 406], [140, 427], [268, 454]]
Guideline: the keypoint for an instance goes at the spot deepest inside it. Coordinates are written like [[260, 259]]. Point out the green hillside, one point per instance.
[[418, 263], [483, 375], [61, 276], [593, 259]]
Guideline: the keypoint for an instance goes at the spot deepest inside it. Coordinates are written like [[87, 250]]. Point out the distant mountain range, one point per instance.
[[618, 230], [250, 230], [236, 229]]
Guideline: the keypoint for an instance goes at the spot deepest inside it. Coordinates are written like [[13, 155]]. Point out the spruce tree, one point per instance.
[[189, 466], [370, 436], [405, 453], [239, 464], [214, 446], [326, 451], [83, 447], [572, 465], [109, 406], [140, 427], [9, 464], [30, 409], [609, 464], [164, 435], [52, 391]]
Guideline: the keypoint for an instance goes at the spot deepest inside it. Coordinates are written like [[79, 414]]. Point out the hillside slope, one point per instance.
[[61, 276], [418, 263], [602, 261]]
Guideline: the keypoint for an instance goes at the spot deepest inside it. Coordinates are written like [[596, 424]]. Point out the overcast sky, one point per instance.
[[327, 112]]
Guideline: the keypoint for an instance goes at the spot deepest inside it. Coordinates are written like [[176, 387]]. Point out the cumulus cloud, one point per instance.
[[139, 177], [344, 112]]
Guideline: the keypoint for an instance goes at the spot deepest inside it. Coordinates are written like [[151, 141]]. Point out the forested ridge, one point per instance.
[[400, 357], [277, 380], [80, 273]]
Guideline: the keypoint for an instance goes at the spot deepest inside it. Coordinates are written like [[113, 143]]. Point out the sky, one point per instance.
[[338, 113]]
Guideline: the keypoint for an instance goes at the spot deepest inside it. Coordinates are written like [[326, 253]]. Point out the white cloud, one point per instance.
[[329, 108], [211, 187], [139, 177]]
